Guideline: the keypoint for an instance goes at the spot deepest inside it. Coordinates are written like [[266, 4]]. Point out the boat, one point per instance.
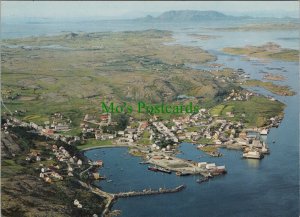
[[253, 155], [154, 169], [160, 169], [144, 162], [183, 173], [219, 170], [265, 149], [264, 132], [215, 154], [239, 70], [205, 179], [200, 146]]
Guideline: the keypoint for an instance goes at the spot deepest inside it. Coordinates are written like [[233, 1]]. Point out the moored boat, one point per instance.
[[253, 155], [205, 179], [154, 169], [160, 169], [183, 173]]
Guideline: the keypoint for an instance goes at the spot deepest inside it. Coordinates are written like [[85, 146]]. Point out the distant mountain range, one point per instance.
[[189, 15]]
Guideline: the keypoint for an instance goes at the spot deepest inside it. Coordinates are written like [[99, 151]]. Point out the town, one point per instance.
[[155, 139]]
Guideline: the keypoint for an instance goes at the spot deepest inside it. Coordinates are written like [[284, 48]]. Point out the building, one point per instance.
[[48, 131]]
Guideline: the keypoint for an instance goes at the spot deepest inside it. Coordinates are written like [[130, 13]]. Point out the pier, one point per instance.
[[112, 197], [178, 165]]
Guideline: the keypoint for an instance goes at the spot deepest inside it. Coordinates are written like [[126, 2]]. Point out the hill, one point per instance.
[[188, 15]]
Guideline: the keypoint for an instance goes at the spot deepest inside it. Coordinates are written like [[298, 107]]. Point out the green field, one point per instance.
[[257, 111], [91, 143], [145, 138]]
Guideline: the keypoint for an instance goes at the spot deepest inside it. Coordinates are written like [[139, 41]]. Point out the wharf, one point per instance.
[[179, 165], [112, 197]]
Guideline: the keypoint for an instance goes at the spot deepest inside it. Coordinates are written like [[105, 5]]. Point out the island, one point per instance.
[[273, 77], [265, 26], [203, 37], [269, 50], [277, 89]]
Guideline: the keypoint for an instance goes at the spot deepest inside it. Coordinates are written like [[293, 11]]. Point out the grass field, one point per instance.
[[257, 111], [91, 143]]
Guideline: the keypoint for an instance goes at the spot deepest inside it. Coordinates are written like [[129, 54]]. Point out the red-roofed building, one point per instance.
[[48, 131]]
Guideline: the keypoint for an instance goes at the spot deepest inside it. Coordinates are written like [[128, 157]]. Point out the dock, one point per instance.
[[112, 197], [178, 165]]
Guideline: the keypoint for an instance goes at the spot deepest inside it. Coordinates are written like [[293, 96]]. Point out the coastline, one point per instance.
[[103, 146]]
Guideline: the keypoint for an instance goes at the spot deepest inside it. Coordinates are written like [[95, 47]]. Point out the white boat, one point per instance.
[[265, 149], [253, 155]]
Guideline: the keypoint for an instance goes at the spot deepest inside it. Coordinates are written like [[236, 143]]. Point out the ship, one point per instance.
[[183, 173], [265, 149], [154, 169], [205, 179], [159, 169], [215, 154], [219, 170], [253, 155]]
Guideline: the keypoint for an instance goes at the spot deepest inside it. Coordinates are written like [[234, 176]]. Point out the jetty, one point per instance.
[[112, 197]]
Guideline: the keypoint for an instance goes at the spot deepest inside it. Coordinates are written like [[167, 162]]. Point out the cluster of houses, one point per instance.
[[55, 172], [77, 204], [129, 135], [93, 124], [50, 174], [49, 129], [192, 128], [33, 156], [168, 134], [48, 132], [239, 95], [101, 120], [57, 123], [219, 132]]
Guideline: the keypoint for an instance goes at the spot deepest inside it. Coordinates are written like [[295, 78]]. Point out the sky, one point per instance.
[[133, 9]]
